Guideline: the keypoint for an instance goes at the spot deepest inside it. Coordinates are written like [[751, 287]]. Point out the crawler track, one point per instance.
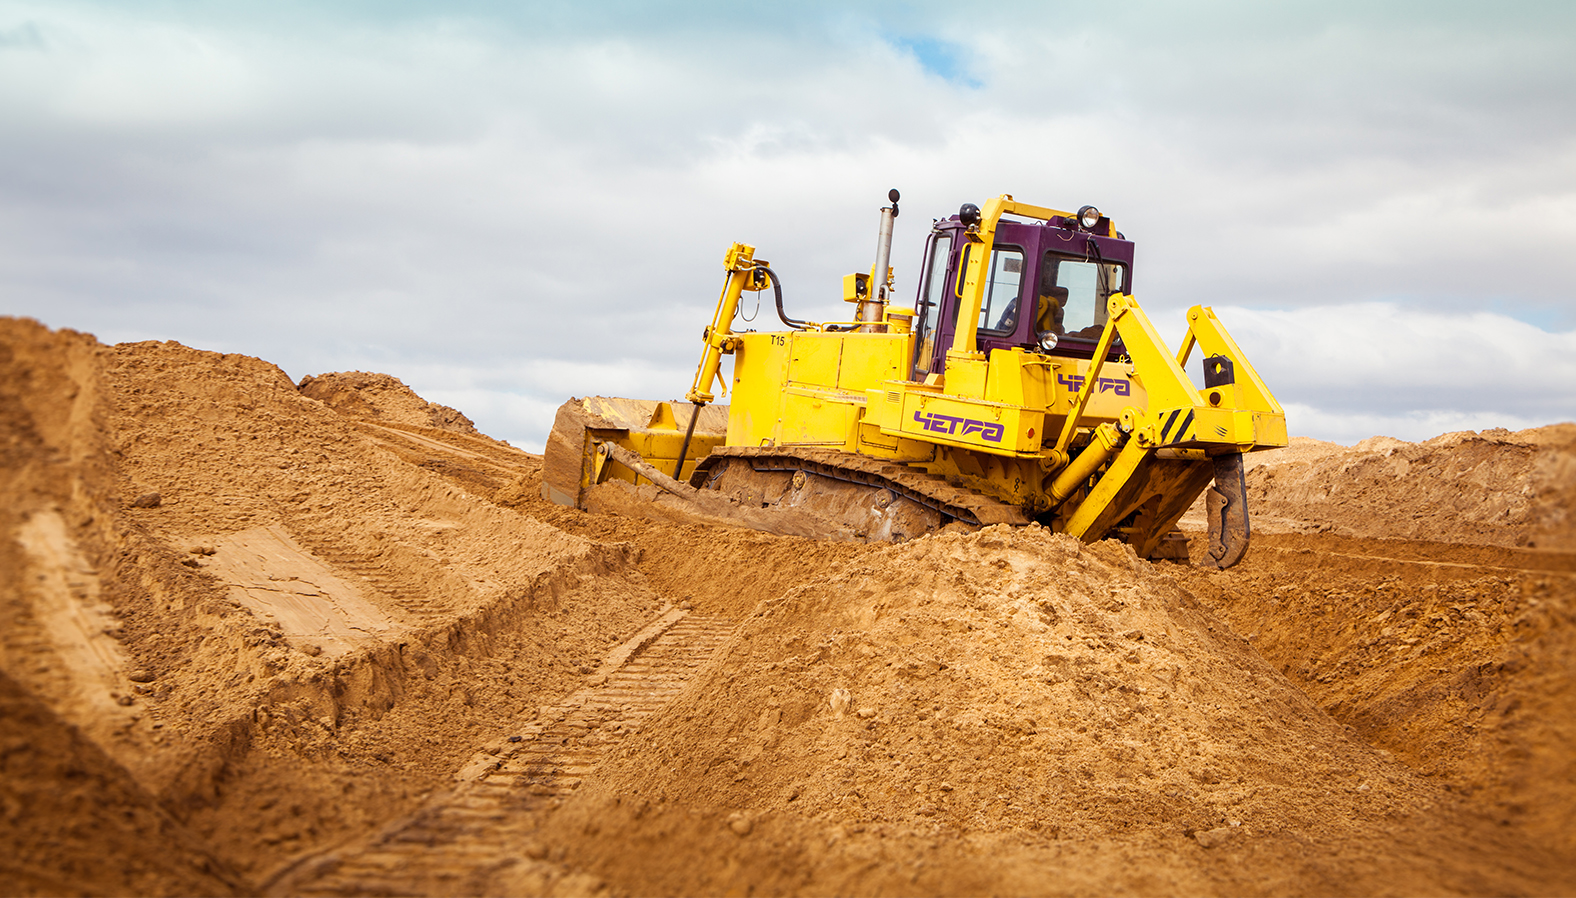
[[460, 840], [930, 490]]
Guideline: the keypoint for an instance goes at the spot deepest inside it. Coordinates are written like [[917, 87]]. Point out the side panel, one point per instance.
[[807, 388], [812, 417], [984, 426], [1116, 390], [760, 366], [814, 359], [869, 360], [1019, 378]]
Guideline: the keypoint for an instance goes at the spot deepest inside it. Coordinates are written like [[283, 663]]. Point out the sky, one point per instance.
[[508, 204]]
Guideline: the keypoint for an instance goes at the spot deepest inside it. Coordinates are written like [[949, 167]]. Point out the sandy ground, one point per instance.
[[260, 637]]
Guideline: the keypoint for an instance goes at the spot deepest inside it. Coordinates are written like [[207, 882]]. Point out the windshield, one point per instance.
[[1073, 294]]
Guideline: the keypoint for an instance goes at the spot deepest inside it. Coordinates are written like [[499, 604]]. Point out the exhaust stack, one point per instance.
[[872, 311]]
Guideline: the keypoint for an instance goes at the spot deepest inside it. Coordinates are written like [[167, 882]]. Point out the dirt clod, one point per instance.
[[740, 824], [1214, 838], [840, 701]]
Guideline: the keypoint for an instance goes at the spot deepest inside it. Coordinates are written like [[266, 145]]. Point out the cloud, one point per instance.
[[511, 204], [1348, 428], [1387, 358], [22, 36], [1345, 372]]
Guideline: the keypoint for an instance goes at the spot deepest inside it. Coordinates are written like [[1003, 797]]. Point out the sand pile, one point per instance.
[[1010, 712], [1463, 670], [381, 398], [1495, 487], [1412, 618], [279, 628], [1425, 594]]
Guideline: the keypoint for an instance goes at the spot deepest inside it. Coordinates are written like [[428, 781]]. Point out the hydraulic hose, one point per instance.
[[777, 290]]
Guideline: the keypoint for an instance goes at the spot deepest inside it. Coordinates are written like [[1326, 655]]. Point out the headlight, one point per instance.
[[1088, 217], [1047, 340]]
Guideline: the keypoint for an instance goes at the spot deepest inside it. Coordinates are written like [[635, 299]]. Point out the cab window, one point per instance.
[[998, 308], [1073, 294]]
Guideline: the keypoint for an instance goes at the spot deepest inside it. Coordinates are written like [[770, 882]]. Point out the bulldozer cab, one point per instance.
[[1046, 289]]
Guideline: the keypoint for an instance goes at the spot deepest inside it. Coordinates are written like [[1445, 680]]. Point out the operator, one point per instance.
[[1053, 305], [1053, 300]]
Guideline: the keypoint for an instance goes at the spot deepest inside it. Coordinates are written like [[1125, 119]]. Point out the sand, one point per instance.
[[254, 631]]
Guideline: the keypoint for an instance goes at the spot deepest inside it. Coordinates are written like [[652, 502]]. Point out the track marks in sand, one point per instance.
[[270, 574], [74, 625], [481, 833]]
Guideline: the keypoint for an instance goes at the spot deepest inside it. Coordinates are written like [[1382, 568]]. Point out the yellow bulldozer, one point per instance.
[[1024, 385]]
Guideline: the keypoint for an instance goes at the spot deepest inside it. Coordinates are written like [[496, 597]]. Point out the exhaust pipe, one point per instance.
[[872, 312]]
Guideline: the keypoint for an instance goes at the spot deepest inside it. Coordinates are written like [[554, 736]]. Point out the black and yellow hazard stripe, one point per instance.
[[1168, 435]]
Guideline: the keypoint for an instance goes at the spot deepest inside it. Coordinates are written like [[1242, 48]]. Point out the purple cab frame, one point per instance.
[[1034, 239]]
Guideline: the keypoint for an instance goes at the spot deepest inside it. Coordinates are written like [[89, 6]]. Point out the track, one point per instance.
[[929, 490], [458, 842]]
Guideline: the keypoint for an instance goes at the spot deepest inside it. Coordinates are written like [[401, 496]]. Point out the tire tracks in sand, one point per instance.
[[463, 840]]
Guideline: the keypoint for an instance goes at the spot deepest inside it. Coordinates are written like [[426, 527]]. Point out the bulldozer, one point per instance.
[[1024, 385]]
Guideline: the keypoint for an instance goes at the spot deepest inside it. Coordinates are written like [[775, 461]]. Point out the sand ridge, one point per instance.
[[1012, 711], [1494, 487]]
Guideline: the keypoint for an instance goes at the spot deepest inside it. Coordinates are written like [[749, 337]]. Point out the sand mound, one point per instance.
[[1462, 666], [74, 822], [1425, 593], [382, 399], [1383, 582], [1494, 488], [284, 630], [1009, 712]]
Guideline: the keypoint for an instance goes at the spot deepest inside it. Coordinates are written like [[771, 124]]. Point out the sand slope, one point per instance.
[[1426, 595], [1013, 712], [1495, 487], [303, 633]]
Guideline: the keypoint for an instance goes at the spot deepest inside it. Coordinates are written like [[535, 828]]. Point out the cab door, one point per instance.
[[935, 307]]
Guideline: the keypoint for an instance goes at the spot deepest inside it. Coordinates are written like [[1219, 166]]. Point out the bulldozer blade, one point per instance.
[[1226, 506], [571, 466]]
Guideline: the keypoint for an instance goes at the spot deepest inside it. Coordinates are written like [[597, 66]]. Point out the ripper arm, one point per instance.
[[1234, 413]]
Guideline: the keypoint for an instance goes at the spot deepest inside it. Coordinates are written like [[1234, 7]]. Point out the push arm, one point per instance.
[[740, 265]]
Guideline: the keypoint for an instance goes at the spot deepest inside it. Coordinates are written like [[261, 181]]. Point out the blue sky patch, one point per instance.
[[943, 59]]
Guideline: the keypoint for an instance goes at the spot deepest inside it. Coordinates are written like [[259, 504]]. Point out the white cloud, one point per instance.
[[514, 205], [1388, 357], [1349, 428]]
